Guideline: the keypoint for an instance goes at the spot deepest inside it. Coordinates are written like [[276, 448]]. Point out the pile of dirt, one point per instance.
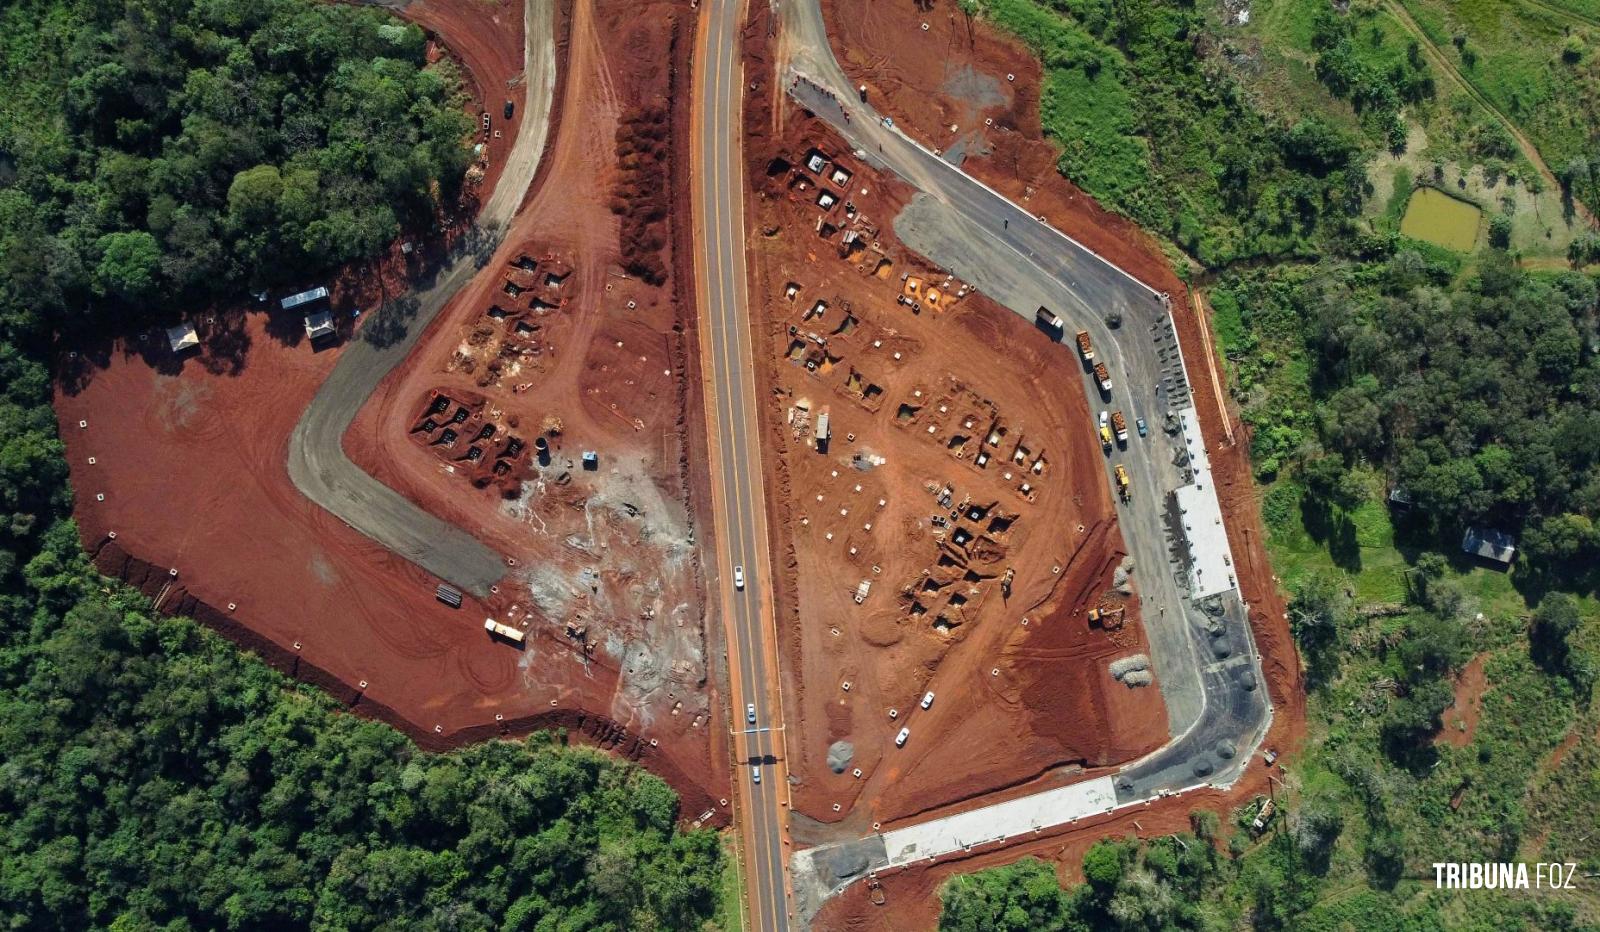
[[640, 199]]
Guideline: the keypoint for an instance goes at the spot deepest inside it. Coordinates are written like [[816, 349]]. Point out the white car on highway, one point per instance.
[[750, 713], [738, 577]]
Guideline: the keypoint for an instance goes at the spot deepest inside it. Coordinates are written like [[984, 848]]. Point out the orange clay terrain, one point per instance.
[[962, 73], [570, 339], [939, 511]]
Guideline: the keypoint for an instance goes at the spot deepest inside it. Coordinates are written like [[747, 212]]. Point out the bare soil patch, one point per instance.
[[182, 466]]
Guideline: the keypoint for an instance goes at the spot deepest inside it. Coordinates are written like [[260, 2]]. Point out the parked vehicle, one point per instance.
[[1144, 429], [900, 739], [1085, 348], [927, 701]]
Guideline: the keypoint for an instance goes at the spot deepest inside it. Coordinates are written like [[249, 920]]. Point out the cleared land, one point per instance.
[[949, 528], [885, 48], [600, 574]]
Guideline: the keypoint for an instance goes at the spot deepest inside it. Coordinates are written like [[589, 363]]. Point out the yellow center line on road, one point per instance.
[[734, 490]]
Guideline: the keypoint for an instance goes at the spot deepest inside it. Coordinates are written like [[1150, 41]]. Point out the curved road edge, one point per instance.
[[317, 463]]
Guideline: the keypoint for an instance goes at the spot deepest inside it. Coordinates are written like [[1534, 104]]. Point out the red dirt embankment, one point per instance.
[[485, 37]]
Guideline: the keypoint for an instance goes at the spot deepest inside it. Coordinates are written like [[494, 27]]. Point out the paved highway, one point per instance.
[[737, 492], [318, 466], [1202, 653]]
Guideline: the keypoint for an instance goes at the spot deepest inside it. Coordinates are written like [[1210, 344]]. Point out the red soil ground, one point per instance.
[[484, 37], [1017, 705], [1460, 721], [928, 81], [921, 84], [189, 454]]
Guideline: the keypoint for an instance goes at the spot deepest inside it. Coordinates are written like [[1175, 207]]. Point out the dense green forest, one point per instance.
[[1452, 711], [151, 776], [1169, 138], [1478, 395], [155, 154]]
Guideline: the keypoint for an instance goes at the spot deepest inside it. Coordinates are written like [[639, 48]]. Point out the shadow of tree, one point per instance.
[[389, 324], [1333, 529]]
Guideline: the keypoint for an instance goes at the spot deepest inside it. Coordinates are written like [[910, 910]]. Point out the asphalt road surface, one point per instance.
[[317, 462], [1202, 654], [736, 458]]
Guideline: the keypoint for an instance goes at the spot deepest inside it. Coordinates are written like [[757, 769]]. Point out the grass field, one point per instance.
[[1516, 53]]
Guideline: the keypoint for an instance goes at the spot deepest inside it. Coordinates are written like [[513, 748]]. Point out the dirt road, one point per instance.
[[317, 463]]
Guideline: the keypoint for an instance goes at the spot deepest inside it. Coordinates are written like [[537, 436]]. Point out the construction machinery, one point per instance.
[[1120, 425], [1050, 320], [1264, 815], [1109, 619], [1105, 438], [1122, 482], [1085, 348], [1102, 375]]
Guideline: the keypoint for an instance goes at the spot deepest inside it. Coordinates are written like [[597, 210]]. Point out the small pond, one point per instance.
[[1438, 218]]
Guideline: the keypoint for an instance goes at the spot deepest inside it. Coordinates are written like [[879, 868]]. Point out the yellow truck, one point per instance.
[[1122, 482]]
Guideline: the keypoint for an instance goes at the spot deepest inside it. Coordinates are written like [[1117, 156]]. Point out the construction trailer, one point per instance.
[[515, 635], [305, 297]]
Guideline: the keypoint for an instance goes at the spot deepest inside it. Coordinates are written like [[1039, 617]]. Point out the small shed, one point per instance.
[[304, 297], [183, 337], [319, 324], [1490, 544], [591, 460]]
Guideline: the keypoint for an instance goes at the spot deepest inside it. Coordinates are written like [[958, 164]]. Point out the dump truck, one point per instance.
[[1119, 425], [1122, 482], [1049, 319], [1085, 348], [1102, 375]]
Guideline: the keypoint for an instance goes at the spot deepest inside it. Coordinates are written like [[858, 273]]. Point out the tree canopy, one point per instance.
[[172, 151]]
